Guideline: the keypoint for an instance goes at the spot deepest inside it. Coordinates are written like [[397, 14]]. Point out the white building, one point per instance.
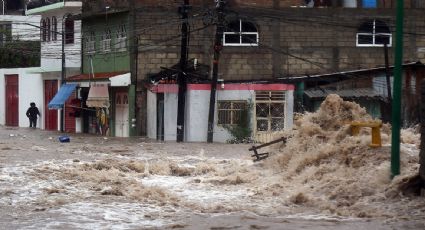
[[17, 87], [269, 110], [59, 31], [20, 86]]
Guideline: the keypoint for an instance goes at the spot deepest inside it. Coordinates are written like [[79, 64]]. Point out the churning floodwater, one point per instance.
[[321, 178]]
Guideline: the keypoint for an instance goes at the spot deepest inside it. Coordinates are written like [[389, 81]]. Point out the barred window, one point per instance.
[[43, 30], [48, 29], [54, 29], [106, 41], [90, 42], [270, 110], [121, 39], [230, 112]]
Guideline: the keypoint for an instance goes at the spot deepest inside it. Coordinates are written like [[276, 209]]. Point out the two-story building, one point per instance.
[[107, 92], [19, 54], [59, 29]]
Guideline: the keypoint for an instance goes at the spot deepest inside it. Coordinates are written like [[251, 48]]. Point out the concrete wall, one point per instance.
[[170, 116], [289, 109], [27, 94], [196, 123], [151, 115]]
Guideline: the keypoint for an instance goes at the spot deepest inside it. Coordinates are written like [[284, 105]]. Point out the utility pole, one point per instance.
[[133, 51], [396, 107], [386, 116], [62, 112], [218, 45], [181, 79], [387, 72]]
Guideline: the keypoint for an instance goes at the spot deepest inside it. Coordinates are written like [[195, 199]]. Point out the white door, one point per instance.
[[121, 115]]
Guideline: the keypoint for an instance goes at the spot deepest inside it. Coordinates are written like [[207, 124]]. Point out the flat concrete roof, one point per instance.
[[55, 6]]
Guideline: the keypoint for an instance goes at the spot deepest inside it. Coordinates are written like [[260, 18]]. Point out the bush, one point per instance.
[[241, 132]]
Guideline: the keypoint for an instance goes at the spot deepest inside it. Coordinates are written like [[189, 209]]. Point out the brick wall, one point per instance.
[[294, 41]]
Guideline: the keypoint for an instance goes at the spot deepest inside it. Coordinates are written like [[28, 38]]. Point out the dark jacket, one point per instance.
[[32, 112]]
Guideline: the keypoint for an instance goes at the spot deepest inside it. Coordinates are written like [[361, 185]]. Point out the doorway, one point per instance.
[[12, 100], [160, 116], [121, 115], [50, 115]]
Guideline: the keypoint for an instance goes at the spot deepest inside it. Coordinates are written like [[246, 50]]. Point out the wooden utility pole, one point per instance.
[[181, 79], [218, 45]]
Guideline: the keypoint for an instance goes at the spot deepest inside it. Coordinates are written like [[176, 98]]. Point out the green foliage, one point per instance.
[[241, 132], [17, 54]]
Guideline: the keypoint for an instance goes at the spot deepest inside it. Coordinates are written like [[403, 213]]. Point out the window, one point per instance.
[[5, 33], [240, 33], [48, 31], [43, 30], [69, 31], [121, 39], [270, 110], [374, 33], [230, 112], [106, 41], [90, 42], [54, 29]]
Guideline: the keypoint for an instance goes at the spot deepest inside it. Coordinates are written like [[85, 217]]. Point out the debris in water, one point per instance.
[[337, 171], [38, 148]]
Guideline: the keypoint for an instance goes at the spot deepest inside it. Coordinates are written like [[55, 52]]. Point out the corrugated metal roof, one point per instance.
[[343, 75], [344, 93]]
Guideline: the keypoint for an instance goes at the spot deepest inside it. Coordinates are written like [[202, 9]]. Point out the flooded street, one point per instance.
[[321, 179]]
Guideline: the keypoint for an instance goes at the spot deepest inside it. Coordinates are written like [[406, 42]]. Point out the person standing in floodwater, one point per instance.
[[32, 113]]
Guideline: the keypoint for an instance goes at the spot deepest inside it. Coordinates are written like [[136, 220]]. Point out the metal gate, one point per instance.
[[269, 115]]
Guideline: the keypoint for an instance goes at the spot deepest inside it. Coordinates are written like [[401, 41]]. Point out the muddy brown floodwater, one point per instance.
[[323, 178]]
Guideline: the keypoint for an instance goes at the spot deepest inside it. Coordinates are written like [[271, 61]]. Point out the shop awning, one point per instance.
[[61, 96], [98, 96], [121, 80]]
